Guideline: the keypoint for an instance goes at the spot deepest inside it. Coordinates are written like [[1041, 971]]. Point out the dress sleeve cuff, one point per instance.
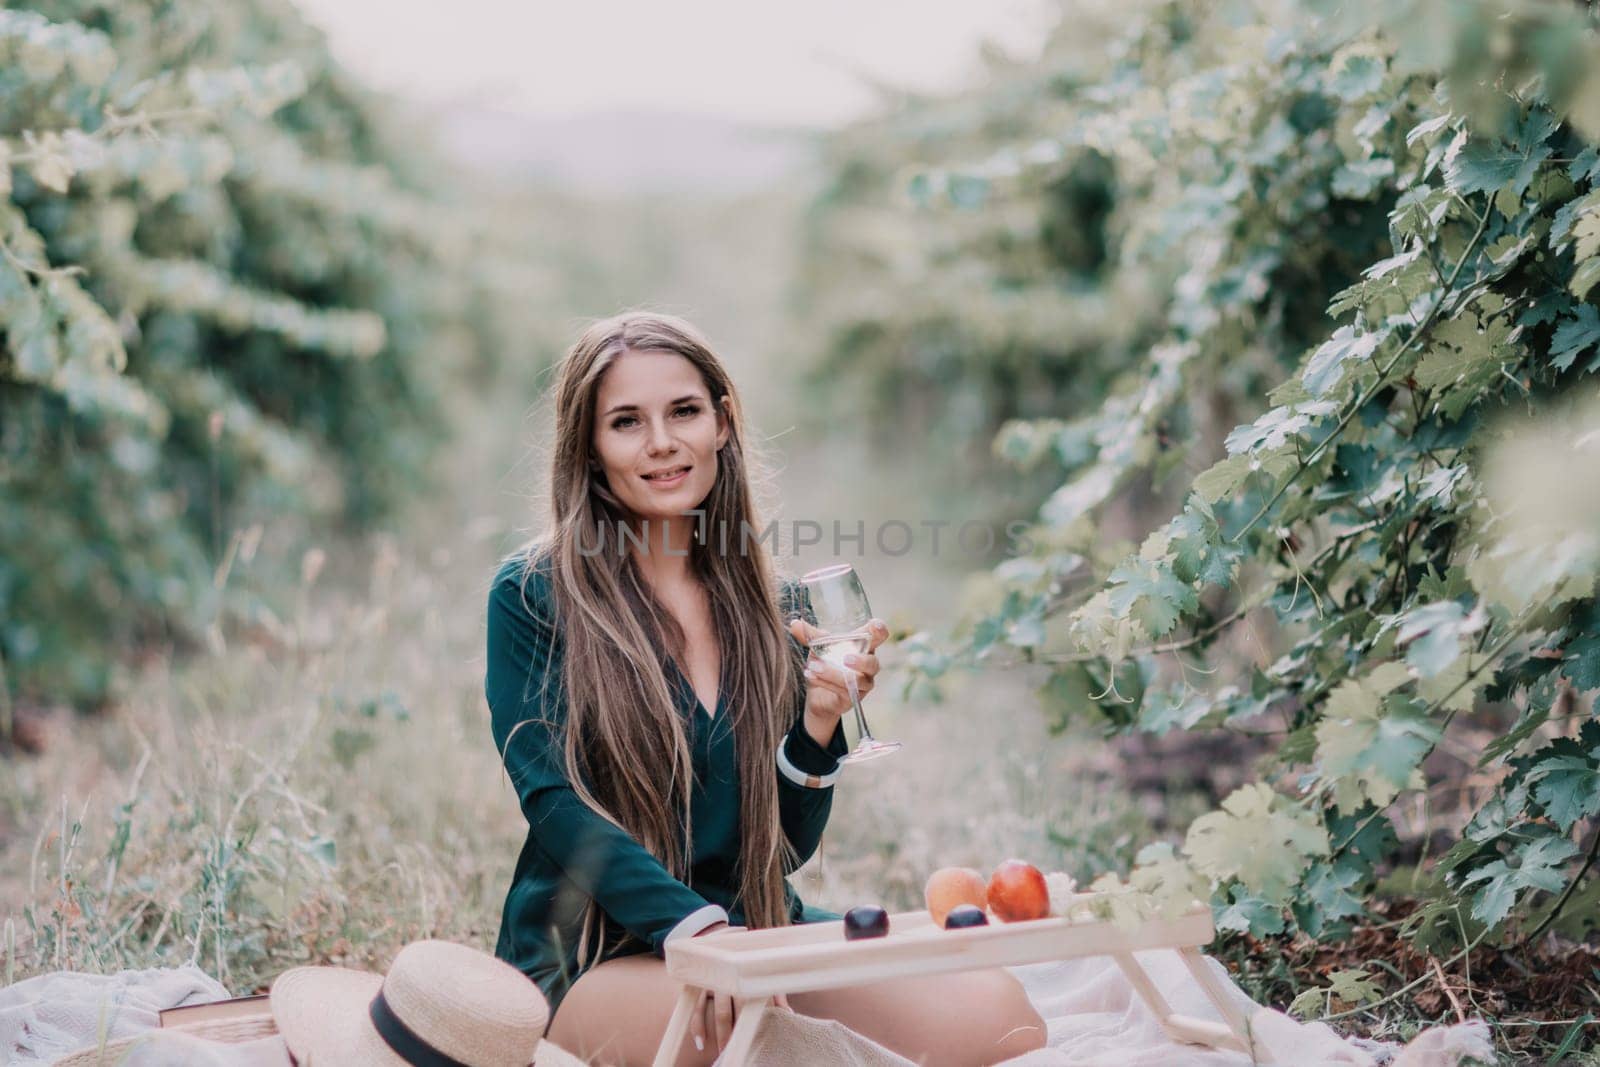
[[804, 762], [696, 921]]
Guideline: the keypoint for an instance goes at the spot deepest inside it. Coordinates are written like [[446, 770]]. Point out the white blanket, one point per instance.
[[44, 1018], [1094, 1020]]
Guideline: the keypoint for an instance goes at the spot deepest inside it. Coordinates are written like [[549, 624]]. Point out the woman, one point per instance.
[[672, 753]]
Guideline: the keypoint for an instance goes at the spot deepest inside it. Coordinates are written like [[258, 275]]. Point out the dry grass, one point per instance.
[[334, 796]]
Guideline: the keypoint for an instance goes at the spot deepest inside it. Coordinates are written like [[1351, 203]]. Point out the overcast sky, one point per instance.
[[744, 59]]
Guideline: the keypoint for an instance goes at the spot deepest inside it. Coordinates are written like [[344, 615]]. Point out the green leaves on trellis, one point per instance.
[[1422, 554], [223, 295]]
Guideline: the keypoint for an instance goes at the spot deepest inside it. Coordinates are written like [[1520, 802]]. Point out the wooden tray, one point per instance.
[[753, 965]]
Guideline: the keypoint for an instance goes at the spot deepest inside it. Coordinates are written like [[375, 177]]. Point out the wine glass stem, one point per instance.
[[855, 702]]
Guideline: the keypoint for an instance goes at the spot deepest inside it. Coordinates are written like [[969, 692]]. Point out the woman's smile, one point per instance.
[[667, 477]]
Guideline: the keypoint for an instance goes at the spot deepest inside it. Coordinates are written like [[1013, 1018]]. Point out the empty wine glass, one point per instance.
[[835, 603]]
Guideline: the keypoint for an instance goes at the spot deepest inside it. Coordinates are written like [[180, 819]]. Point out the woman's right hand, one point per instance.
[[827, 687], [713, 1017], [716, 1013]]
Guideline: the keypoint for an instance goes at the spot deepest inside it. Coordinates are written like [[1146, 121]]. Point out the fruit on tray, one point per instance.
[[950, 887], [1018, 892], [965, 915], [868, 920]]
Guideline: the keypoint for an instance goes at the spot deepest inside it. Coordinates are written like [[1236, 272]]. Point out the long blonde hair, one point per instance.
[[625, 745]]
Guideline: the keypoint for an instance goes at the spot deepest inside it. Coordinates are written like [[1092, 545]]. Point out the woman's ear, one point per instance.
[[724, 420]]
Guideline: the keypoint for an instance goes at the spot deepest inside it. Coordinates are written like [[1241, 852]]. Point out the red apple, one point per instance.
[[951, 887], [1018, 891]]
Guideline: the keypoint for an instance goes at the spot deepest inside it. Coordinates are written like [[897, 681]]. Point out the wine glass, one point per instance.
[[835, 603]]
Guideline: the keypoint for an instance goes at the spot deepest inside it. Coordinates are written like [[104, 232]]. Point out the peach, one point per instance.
[[950, 887], [1018, 891]]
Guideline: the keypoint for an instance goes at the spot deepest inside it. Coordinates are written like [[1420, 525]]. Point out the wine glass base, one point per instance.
[[870, 749]]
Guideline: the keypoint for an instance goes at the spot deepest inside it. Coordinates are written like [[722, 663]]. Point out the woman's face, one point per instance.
[[656, 433]]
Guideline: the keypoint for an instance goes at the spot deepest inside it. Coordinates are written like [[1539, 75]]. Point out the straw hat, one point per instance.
[[440, 1005]]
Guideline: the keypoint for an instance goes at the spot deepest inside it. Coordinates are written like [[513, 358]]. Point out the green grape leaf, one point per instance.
[[1247, 913], [1586, 277], [1575, 336], [1586, 231], [1464, 358], [1274, 429], [1566, 217], [1118, 903], [1325, 896], [1350, 988], [1565, 776], [1368, 747], [1169, 882], [1432, 634], [1326, 365], [1258, 837], [1475, 165], [1586, 166], [1417, 213], [1199, 555], [1168, 709], [1568, 787], [1538, 867], [1150, 594], [1581, 664], [1222, 478], [1357, 834]]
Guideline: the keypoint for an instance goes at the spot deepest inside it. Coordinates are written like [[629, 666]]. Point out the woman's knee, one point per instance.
[[617, 1013], [1017, 1027]]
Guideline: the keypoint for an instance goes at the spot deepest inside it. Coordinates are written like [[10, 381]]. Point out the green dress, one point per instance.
[[572, 854]]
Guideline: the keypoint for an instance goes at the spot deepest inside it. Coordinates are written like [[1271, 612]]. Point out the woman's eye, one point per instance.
[[623, 422]]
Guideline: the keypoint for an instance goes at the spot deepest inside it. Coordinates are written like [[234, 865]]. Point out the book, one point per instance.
[[217, 1010]]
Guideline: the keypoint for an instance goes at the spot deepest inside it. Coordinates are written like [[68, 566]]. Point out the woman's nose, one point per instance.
[[661, 442]]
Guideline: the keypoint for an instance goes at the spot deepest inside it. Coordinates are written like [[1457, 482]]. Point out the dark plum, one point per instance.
[[868, 920], [964, 916]]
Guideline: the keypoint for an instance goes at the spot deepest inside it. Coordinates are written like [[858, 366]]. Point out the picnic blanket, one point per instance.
[[1091, 1012], [1093, 1018]]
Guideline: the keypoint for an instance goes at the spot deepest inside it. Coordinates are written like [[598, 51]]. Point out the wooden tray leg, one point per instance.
[[1218, 995], [1140, 980], [677, 1027], [744, 1032]]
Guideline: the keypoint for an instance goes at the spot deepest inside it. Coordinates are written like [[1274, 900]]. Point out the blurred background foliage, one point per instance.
[[232, 290]]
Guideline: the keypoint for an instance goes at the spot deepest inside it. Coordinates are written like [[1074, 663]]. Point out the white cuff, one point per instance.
[[696, 921], [787, 768]]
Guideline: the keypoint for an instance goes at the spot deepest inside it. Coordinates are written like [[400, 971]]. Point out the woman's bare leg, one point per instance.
[[617, 1012], [967, 1018]]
